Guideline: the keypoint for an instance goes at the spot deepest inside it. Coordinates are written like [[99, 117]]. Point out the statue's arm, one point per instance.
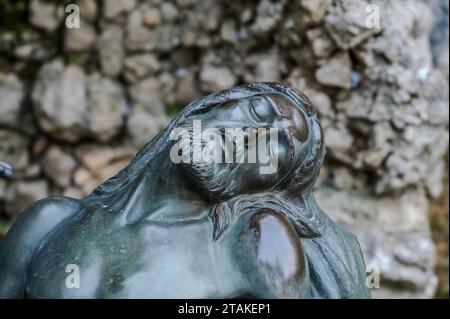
[[272, 257], [24, 238]]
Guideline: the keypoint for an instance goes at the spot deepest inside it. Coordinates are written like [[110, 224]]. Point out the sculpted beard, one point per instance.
[[210, 174]]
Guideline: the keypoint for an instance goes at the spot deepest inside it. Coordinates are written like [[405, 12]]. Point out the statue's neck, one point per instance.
[[161, 193]]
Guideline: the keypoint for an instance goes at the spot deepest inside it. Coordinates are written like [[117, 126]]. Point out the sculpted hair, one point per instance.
[[226, 213]]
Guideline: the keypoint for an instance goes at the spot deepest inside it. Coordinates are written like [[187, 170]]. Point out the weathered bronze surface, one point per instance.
[[164, 230]]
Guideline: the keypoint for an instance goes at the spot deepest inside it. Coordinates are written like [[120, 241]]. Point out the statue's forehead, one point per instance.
[[283, 106], [270, 97]]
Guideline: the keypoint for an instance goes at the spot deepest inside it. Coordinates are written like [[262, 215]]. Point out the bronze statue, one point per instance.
[[170, 227]]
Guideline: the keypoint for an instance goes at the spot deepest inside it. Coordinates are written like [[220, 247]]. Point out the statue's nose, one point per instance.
[[299, 127], [292, 118]]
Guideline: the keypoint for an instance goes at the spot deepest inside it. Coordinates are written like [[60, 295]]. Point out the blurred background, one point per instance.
[[77, 103]]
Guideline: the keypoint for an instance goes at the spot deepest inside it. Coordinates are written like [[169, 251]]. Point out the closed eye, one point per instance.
[[262, 109]]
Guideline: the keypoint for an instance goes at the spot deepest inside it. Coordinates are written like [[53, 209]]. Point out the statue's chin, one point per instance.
[[211, 179]]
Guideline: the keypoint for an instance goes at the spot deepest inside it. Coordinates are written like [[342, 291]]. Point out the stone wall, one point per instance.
[[76, 104]]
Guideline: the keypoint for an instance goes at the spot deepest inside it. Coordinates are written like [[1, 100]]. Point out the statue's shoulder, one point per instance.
[[41, 217], [268, 246], [56, 202], [26, 236], [50, 210], [269, 223]]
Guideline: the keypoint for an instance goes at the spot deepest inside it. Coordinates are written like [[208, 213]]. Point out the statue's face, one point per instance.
[[269, 120]]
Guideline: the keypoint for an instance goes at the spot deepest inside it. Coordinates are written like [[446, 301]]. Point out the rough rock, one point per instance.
[[60, 100], [20, 194], [151, 16], [415, 161], [113, 8], [99, 164], [71, 106], [75, 192], [321, 43], [139, 66], [168, 11], [110, 49], [216, 78], [166, 37], [321, 102], [31, 45], [347, 20], [145, 122], [59, 166], [89, 9], [228, 31], [316, 9], [2, 190], [401, 247], [339, 142], [14, 150], [44, 15], [138, 37], [206, 16], [152, 89], [106, 107], [82, 39], [264, 67], [186, 86], [267, 15], [336, 72], [11, 97]]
